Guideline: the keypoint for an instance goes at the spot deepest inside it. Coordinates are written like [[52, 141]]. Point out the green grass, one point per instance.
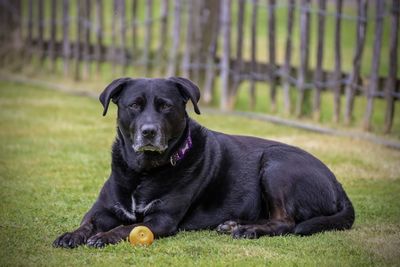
[[55, 156]]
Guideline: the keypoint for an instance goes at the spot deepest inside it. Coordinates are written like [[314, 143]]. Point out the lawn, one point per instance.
[[55, 155]]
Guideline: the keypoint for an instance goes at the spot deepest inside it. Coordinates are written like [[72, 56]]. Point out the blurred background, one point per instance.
[[329, 62]]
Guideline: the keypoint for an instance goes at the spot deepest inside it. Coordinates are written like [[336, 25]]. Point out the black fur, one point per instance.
[[245, 186]]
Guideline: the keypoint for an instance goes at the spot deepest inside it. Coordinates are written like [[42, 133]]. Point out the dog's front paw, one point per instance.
[[227, 227], [245, 232], [70, 240], [102, 239]]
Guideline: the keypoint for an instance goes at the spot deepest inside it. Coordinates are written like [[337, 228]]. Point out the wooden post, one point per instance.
[[53, 35], [77, 47], [393, 61], [122, 55], [3, 32], [30, 30], [42, 52], [271, 50], [239, 54], [113, 47], [176, 39], [253, 71], [362, 6], [163, 35], [188, 41], [338, 63], [206, 24], [211, 56], [148, 37], [134, 29], [86, 41], [302, 97], [318, 74], [15, 53], [373, 84], [99, 35], [288, 57], [66, 41], [226, 51], [197, 42]]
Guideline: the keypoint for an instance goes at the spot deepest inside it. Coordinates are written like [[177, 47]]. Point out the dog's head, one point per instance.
[[151, 112]]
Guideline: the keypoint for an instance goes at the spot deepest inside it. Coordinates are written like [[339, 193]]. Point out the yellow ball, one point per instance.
[[141, 235]]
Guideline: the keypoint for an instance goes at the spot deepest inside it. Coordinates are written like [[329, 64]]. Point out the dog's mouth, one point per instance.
[[149, 148]]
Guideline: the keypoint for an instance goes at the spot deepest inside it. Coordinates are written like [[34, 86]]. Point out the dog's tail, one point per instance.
[[341, 220]]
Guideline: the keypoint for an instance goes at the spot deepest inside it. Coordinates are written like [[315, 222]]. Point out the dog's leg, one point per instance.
[[271, 228], [279, 221], [75, 238], [94, 221]]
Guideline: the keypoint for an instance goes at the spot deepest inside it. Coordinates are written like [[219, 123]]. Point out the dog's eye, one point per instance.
[[135, 106], [165, 106]]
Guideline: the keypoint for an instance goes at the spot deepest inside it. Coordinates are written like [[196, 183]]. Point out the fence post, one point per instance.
[[77, 47], [148, 37], [30, 31], [134, 29], [352, 84], [99, 35], [66, 41], [113, 49], [207, 24], [197, 41], [239, 54], [188, 41], [53, 34], [226, 47], [303, 96], [271, 48], [288, 57], [163, 35], [176, 39], [40, 18], [86, 41], [393, 61], [318, 74], [338, 63], [122, 55], [211, 56], [373, 84], [253, 68]]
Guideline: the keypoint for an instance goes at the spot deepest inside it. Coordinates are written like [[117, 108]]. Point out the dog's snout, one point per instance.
[[149, 130]]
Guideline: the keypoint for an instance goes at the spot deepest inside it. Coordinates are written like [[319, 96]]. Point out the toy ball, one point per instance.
[[141, 235]]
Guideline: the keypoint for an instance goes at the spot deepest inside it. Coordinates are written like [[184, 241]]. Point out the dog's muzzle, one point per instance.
[[149, 139]]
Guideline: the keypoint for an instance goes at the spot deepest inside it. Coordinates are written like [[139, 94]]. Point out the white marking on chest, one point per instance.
[[130, 214]]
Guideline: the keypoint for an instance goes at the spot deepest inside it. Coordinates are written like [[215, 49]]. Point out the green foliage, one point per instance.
[[55, 155]]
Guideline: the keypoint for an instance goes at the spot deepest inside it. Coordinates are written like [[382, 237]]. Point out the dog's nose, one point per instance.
[[149, 130]]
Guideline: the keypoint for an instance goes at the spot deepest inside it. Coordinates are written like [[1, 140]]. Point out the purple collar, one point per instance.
[[182, 150]]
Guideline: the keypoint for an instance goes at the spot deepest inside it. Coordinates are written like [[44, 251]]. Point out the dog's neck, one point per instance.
[[182, 149]]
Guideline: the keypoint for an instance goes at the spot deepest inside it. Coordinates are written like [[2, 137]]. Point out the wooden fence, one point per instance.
[[208, 39]]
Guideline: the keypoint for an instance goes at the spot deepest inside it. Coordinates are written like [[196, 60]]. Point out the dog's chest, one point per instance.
[[135, 208]]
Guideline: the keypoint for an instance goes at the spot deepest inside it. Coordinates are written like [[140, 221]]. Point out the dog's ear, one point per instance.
[[111, 92], [188, 90]]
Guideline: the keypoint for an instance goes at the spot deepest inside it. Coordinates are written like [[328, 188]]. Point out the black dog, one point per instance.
[[170, 173]]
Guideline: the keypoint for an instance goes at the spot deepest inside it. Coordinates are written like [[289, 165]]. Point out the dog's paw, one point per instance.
[[227, 227], [244, 232], [70, 240], [102, 239]]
